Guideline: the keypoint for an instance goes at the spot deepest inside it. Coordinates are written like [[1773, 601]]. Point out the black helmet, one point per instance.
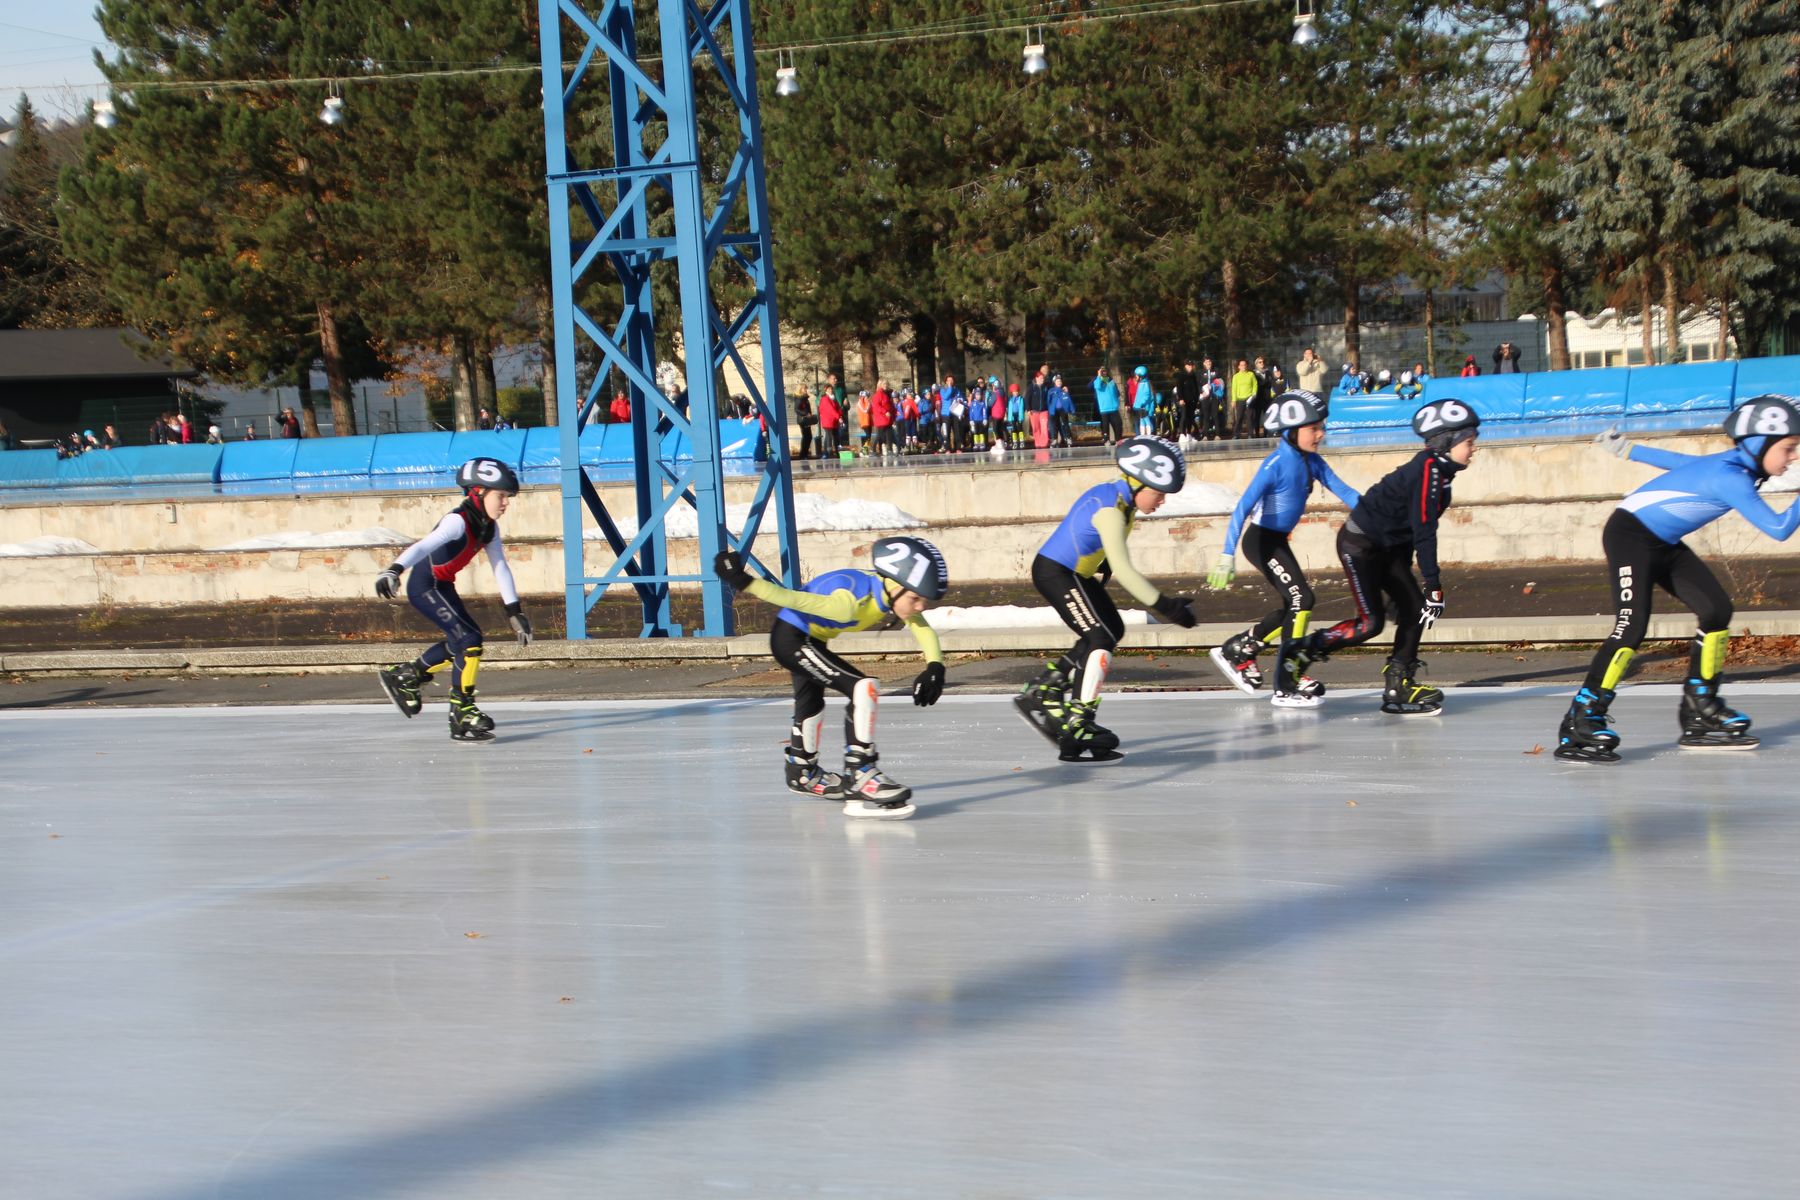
[[487, 474], [1295, 409], [1152, 462], [1761, 421], [1443, 423], [913, 563]]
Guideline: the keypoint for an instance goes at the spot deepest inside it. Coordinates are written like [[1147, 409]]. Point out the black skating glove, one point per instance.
[[929, 685], [1177, 610], [521, 624], [1434, 608], [729, 566], [387, 584]]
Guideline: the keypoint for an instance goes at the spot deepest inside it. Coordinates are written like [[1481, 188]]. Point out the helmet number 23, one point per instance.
[[1143, 462]]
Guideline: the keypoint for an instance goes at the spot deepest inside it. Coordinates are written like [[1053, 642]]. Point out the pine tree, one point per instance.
[[39, 286]]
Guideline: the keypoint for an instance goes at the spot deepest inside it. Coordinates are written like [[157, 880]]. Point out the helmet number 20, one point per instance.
[[1142, 462]]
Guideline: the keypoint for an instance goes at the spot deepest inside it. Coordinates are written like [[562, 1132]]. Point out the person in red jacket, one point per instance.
[[881, 419], [621, 409], [1469, 369], [831, 424]]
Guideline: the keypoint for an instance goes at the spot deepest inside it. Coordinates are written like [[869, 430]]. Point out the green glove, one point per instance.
[[1223, 572]]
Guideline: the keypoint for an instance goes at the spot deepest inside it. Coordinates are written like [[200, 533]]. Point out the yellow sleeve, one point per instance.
[[927, 638], [838, 606], [1110, 524]]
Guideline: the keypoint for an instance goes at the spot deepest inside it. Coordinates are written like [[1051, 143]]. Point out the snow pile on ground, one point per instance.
[[1785, 483], [1197, 499], [812, 513], [44, 546], [1010, 616], [300, 539]]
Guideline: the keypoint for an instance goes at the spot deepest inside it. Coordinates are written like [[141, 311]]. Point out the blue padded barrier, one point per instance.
[[93, 469], [411, 454], [1496, 399], [1686, 387], [330, 462], [165, 464], [1369, 410], [28, 468], [508, 446], [541, 459], [1762, 376], [258, 462], [1596, 393]]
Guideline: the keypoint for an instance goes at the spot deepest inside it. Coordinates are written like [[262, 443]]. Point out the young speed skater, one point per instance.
[[909, 577], [1644, 549], [1068, 572], [1266, 515], [1394, 521], [435, 560]]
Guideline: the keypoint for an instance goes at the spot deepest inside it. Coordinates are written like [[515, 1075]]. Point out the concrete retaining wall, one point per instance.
[[1518, 503]]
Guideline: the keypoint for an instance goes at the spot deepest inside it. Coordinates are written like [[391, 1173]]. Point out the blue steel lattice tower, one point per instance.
[[657, 204]]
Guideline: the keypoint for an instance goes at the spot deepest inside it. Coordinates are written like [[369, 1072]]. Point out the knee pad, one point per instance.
[[865, 697], [1300, 620], [471, 667], [1712, 651], [1615, 670]]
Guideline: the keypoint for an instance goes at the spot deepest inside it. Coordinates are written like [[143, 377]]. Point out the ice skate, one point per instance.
[[1708, 723], [1293, 689], [1044, 703], [869, 793], [468, 723], [1236, 660], [402, 683], [1404, 696], [1586, 735], [805, 777], [1082, 740]]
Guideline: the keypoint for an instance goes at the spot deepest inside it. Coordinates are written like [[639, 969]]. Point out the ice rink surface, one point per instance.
[[324, 952]]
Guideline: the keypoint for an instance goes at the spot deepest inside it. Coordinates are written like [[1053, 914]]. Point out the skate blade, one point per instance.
[[876, 812], [1733, 746], [1038, 719], [1588, 755], [1096, 758], [1414, 712], [485, 735], [1224, 664], [1295, 702], [820, 793]]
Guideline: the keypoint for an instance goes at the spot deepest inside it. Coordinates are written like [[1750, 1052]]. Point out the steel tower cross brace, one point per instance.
[[656, 204]]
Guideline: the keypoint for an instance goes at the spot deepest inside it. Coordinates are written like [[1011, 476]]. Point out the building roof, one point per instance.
[[35, 354]]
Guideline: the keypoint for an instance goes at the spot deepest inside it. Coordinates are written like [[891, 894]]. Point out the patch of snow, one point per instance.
[[1784, 483], [812, 513], [300, 539], [45, 546], [1010, 616], [1197, 499]]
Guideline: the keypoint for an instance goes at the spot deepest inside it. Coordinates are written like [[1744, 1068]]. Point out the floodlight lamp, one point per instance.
[[1305, 32], [105, 116], [333, 112], [785, 82], [1035, 62]]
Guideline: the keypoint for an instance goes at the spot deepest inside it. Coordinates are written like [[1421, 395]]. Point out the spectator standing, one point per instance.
[[909, 421], [862, 431], [186, 434], [997, 409], [249, 432], [214, 436], [950, 405], [1266, 391], [109, 438], [805, 417], [1062, 412], [1037, 408], [1209, 422], [7, 441], [831, 420], [620, 409], [290, 424], [159, 429], [1106, 399], [1143, 402], [881, 422], [1015, 417], [1506, 359], [1187, 399], [1243, 397], [483, 419], [1469, 369], [1310, 373]]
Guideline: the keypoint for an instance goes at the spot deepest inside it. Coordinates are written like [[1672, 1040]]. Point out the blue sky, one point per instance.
[[47, 48]]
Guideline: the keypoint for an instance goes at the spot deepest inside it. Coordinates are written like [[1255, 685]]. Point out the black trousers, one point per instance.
[[438, 600], [815, 668], [1375, 572], [1274, 557], [1638, 560], [806, 439], [1110, 429], [1085, 607]]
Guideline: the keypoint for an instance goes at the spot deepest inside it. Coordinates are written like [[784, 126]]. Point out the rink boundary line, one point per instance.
[[1201, 695], [1586, 629]]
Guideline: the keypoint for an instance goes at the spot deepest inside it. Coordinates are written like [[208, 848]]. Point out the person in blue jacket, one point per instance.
[[1015, 417], [1071, 570], [1062, 414], [1106, 399], [1644, 549], [909, 576], [1143, 404], [1265, 516]]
